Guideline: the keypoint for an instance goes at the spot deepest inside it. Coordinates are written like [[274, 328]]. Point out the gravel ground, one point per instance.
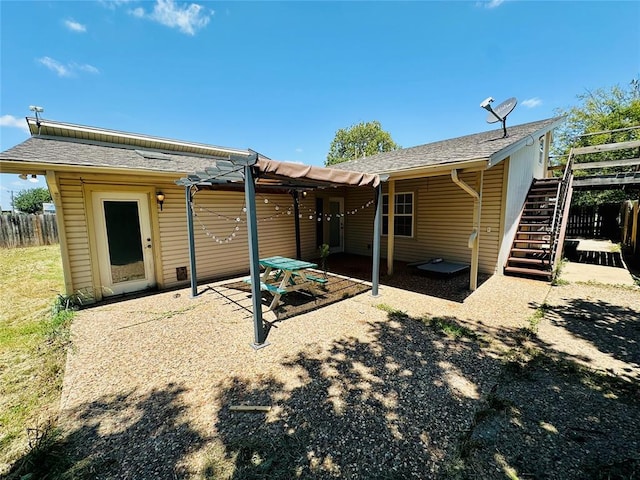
[[353, 391]]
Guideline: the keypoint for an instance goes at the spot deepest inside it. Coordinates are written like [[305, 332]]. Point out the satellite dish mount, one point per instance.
[[37, 110], [499, 114]]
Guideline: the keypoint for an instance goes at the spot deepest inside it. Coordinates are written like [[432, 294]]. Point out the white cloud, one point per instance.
[[11, 121], [69, 69], [532, 102], [55, 66], [298, 150], [186, 18], [86, 68], [75, 26], [113, 4], [490, 3]]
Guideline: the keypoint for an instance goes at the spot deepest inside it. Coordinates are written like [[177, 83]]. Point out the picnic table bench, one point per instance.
[[283, 275]]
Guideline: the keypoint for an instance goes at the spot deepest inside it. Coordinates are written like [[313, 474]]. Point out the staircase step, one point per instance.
[[528, 271], [530, 241], [532, 232], [542, 251], [535, 225], [536, 261], [534, 210], [541, 195], [539, 181]]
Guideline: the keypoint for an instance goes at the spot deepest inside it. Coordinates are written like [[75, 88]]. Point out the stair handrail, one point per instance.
[[558, 210]]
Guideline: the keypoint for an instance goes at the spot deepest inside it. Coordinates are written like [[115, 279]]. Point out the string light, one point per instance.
[[238, 221]]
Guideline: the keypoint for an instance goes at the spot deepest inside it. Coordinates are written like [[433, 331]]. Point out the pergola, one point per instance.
[[259, 174]]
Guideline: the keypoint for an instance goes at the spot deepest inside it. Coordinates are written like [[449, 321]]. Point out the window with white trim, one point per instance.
[[402, 215]]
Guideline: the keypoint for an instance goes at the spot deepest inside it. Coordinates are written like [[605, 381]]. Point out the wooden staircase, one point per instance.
[[532, 249]]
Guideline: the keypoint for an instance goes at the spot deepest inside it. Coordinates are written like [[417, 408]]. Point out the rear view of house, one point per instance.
[[123, 218]]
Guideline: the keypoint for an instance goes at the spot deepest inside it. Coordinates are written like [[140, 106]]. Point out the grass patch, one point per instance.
[[450, 328], [394, 314], [33, 342], [537, 317], [556, 280]]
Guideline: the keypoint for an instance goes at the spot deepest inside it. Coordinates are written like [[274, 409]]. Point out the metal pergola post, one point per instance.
[[296, 212], [260, 334], [377, 222], [192, 244]]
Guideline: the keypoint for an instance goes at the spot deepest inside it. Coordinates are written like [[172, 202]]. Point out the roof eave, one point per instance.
[[40, 168], [90, 133], [435, 170], [500, 155]]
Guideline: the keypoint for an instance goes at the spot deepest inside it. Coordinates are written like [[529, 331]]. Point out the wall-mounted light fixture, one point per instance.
[[32, 177], [160, 199]]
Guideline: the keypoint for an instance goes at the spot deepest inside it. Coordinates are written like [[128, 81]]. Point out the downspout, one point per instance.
[[474, 238]]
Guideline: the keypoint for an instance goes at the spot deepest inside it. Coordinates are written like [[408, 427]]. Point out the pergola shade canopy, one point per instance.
[[252, 172], [272, 174]]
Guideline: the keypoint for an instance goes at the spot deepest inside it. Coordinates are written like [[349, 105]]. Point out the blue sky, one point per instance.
[[282, 77]]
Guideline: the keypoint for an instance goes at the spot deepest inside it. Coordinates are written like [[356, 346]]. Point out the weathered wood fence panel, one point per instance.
[[597, 221], [23, 230]]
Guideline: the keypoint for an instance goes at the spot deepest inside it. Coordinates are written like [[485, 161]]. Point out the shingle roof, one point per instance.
[[74, 153], [486, 145]]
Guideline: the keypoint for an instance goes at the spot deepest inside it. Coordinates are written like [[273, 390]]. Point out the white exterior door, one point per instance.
[[336, 225], [123, 238]]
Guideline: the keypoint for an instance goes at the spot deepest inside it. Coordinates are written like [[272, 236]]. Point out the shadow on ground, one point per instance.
[[612, 329], [454, 287], [299, 302], [120, 437], [415, 403], [424, 398]]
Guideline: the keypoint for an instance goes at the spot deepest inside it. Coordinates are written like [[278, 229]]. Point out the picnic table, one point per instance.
[[283, 275]]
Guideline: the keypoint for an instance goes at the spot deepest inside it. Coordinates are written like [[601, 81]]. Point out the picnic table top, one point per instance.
[[284, 263]]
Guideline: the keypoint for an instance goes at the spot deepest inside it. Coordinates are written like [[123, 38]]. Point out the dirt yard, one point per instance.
[[517, 380]]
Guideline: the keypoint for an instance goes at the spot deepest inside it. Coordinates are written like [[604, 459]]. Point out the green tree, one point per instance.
[[604, 109], [360, 140], [30, 201]]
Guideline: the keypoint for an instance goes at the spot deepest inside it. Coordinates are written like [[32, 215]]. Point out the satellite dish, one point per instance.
[[499, 114]]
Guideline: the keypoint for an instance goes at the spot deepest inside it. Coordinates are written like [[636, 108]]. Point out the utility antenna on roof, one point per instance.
[[499, 114], [37, 110]]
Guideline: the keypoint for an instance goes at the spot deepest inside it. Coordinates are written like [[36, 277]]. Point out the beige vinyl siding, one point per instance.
[[215, 213], [75, 226], [358, 226], [443, 216], [491, 212], [276, 228]]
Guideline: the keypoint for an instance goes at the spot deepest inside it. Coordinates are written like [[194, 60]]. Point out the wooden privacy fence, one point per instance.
[[24, 230], [597, 221]]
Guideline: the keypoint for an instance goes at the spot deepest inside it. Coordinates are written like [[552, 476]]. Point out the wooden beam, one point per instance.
[[606, 147], [603, 181], [607, 163]]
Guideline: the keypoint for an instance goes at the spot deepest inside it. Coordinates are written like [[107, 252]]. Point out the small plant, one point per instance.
[[393, 313], [556, 280], [324, 254], [450, 328], [536, 318]]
